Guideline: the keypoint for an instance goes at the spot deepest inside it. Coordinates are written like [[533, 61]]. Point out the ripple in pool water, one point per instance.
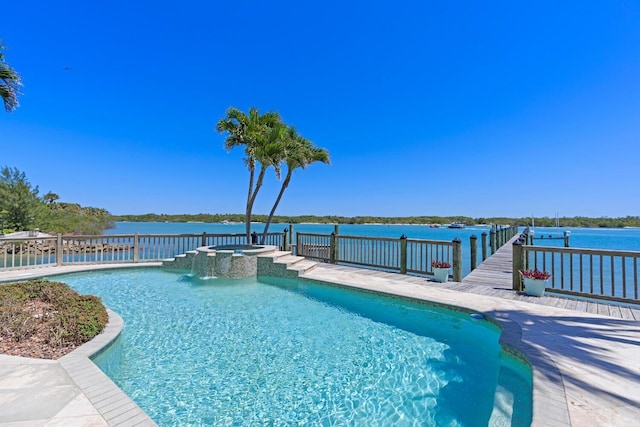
[[241, 352]]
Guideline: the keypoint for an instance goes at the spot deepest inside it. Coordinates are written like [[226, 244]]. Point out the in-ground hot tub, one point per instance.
[[235, 261]]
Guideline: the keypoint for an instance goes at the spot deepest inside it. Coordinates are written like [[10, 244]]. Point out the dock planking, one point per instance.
[[494, 278]]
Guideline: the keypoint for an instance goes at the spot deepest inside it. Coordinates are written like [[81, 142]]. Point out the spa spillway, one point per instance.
[[234, 261]]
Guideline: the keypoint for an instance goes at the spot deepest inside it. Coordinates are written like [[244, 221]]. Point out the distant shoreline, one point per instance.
[[629, 222]]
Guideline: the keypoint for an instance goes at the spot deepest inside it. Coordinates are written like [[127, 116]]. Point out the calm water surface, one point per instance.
[[596, 238]]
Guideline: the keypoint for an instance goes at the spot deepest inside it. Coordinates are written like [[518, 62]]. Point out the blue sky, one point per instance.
[[427, 108]]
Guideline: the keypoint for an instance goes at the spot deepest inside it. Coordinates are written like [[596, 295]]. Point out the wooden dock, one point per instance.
[[496, 271], [494, 278]]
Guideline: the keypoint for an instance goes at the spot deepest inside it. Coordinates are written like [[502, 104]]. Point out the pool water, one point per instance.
[[284, 352]]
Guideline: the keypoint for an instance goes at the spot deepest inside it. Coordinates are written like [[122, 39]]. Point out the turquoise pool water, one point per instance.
[[281, 352]]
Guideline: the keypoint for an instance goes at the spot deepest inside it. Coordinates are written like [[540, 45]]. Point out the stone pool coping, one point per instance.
[[105, 396]]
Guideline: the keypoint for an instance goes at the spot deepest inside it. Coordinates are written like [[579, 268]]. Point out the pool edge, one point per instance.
[[113, 404]]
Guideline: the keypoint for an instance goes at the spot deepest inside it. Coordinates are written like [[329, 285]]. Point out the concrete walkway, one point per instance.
[[586, 366]]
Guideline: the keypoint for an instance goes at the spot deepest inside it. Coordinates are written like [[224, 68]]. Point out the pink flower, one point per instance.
[[535, 274], [440, 264]]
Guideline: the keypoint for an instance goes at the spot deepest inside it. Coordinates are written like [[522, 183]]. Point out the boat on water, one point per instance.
[[434, 226], [457, 225]]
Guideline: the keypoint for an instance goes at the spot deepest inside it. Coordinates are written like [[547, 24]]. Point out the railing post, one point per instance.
[[567, 233], [59, 254], [136, 248], [204, 239], [254, 238], [333, 248], [473, 240], [284, 240], [518, 265], [290, 234], [492, 239], [336, 228], [484, 245], [457, 260], [403, 254]]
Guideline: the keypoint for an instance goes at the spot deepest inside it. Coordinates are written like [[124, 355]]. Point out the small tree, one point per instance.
[[9, 83], [18, 198], [51, 198]]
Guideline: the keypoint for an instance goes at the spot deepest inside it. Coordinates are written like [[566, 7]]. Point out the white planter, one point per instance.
[[534, 287], [440, 274]]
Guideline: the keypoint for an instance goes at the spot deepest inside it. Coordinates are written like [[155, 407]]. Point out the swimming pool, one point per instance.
[[283, 352]]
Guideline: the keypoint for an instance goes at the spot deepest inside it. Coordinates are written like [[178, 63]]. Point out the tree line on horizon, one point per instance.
[[579, 221]]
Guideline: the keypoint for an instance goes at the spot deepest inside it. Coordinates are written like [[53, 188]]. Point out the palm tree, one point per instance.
[[50, 198], [9, 83], [297, 152], [256, 133]]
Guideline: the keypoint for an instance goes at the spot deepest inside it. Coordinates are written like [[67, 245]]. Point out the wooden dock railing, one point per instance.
[[605, 274], [28, 252], [402, 254]]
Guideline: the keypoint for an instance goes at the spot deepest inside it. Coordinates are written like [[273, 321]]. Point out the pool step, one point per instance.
[[180, 262], [284, 264], [276, 263], [303, 266]]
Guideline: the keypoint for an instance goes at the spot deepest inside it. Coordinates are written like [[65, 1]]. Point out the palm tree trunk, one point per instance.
[[285, 184], [247, 217], [251, 200]]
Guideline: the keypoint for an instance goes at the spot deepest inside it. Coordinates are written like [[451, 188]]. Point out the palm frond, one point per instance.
[[10, 83]]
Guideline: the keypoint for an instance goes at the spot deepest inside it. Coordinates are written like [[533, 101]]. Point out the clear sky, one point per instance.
[[475, 108]]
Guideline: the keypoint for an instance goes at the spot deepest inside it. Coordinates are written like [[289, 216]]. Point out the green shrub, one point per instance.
[[71, 318], [84, 318]]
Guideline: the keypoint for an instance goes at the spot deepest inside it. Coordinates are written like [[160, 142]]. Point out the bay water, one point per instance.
[[594, 238]]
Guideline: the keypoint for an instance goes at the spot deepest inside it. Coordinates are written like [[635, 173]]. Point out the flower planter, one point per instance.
[[534, 287], [440, 274]]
